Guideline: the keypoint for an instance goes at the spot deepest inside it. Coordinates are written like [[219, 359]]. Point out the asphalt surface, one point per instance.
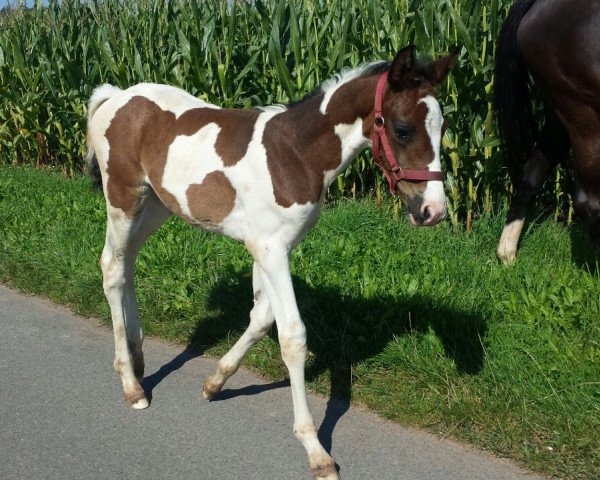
[[62, 416]]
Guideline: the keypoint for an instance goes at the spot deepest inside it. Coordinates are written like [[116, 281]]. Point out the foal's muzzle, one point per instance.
[[429, 214]]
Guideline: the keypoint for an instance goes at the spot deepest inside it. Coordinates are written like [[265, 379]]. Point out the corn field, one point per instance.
[[243, 54]]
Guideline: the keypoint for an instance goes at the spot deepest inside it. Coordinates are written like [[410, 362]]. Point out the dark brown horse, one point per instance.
[[557, 42]]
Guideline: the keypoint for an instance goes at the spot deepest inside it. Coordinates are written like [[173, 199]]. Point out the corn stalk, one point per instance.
[[243, 54]]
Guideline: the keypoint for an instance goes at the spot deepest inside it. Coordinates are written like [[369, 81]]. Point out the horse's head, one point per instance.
[[414, 126]]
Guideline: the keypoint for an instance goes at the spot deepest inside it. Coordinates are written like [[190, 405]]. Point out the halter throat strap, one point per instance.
[[379, 140]]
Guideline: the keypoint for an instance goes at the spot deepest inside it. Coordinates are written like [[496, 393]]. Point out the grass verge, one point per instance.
[[422, 326]]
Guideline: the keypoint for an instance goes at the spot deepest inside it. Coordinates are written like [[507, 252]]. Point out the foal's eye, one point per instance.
[[403, 132]]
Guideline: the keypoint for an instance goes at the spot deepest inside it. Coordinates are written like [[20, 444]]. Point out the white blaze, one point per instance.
[[434, 121]]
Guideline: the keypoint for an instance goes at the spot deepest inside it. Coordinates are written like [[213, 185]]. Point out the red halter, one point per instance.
[[378, 136]]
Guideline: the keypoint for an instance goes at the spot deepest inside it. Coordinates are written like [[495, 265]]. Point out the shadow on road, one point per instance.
[[228, 393], [179, 361], [342, 331]]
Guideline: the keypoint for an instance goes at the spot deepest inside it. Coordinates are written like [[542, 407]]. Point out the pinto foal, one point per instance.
[[258, 176]]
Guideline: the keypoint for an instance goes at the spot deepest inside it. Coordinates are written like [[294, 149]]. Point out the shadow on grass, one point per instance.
[[584, 252], [342, 331]]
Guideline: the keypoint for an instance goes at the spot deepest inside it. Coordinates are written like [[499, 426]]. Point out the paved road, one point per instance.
[[62, 416]]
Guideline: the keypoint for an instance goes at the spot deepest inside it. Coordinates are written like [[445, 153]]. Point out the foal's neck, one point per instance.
[[331, 128], [311, 142]]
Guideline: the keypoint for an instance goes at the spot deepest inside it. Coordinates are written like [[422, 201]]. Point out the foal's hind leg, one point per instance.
[[261, 320], [552, 147], [124, 238]]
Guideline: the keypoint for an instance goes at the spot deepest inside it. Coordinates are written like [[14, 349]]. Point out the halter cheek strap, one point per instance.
[[379, 139]]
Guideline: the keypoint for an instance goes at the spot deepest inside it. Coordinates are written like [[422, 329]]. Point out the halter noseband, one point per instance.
[[378, 137]]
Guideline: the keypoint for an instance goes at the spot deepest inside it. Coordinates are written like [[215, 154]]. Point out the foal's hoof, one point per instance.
[[137, 400], [141, 404], [210, 389], [328, 472]]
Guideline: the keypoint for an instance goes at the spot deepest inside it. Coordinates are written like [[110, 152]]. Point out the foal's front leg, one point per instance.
[[261, 320], [274, 270]]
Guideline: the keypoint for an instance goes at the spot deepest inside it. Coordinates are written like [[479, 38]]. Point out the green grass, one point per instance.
[[421, 325]]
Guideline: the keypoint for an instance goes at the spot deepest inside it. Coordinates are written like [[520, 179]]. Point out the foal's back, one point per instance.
[[199, 160]]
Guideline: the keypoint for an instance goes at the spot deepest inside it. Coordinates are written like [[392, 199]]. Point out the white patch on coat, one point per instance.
[[189, 159], [277, 108], [434, 192], [251, 180], [353, 142], [100, 95], [168, 98], [256, 215]]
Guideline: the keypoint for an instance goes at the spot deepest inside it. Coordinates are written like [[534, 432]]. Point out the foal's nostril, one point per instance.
[[426, 214]]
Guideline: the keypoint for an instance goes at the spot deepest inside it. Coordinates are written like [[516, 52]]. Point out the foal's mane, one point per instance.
[[421, 71], [362, 71]]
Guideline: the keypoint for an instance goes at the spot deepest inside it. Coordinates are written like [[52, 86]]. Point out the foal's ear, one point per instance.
[[440, 68], [401, 67]]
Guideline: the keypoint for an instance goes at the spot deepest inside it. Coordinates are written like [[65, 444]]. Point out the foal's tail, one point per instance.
[[512, 95], [100, 95]]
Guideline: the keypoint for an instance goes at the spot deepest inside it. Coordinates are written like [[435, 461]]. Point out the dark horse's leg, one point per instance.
[[586, 201], [552, 147], [587, 207]]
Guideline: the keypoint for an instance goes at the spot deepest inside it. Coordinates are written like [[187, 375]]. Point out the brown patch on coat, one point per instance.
[[140, 134], [125, 174], [213, 199], [301, 143]]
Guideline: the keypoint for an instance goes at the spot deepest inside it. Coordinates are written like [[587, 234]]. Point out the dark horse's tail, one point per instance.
[[512, 95]]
